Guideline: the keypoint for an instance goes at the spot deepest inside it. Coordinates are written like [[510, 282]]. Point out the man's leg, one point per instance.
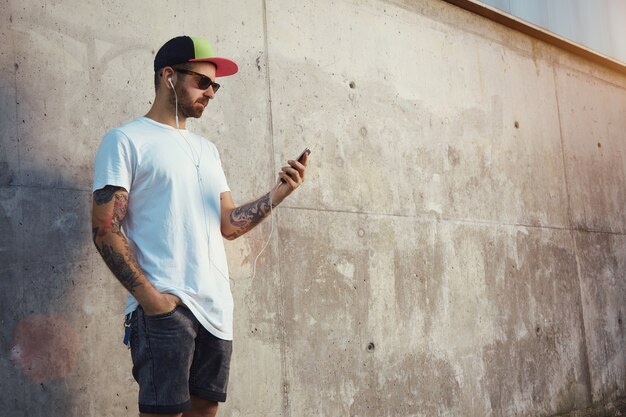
[[209, 373], [162, 351], [201, 408], [159, 415]]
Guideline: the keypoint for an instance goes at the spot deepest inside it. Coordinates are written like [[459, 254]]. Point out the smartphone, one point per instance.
[[306, 151], [300, 159]]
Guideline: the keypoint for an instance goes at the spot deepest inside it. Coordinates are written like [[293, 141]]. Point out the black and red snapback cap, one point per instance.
[[183, 49]]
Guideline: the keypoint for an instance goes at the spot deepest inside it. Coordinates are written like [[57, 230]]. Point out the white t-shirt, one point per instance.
[[173, 219]]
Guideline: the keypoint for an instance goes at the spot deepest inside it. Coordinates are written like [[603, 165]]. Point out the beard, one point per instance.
[[187, 105]]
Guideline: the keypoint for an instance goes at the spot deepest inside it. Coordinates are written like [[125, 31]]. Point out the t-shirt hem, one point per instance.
[[217, 333], [132, 306]]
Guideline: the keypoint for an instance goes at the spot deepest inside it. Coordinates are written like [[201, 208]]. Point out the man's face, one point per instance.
[[192, 100]]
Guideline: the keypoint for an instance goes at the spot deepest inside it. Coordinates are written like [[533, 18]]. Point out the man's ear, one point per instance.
[[168, 77]]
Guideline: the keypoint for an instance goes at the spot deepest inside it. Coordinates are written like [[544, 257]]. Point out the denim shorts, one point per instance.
[[174, 357]]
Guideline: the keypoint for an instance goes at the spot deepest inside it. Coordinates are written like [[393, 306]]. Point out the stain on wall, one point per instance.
[[45, 347]]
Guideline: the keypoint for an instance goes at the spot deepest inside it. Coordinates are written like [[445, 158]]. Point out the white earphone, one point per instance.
[[169, 80]]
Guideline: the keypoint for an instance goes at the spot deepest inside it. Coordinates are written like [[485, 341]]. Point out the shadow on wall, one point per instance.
[[42, 256], [55, 329]]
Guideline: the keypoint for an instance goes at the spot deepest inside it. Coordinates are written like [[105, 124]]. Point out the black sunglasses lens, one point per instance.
[[205, 82]]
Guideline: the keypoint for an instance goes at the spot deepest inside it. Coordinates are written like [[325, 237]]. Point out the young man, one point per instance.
[[161, 205]]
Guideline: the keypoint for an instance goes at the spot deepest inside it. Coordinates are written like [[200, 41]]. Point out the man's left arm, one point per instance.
[[236, 221]]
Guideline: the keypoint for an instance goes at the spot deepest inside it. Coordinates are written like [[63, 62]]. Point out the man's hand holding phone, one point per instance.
[[290, 177]]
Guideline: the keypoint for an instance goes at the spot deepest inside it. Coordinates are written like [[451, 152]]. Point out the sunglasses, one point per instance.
[[204, 82]]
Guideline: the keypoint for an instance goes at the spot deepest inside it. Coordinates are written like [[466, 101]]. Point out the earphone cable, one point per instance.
[[269, 237], [207, 225]]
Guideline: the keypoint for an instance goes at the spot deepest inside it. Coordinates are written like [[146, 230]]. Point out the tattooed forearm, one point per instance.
[[244, 218], [122, 267]]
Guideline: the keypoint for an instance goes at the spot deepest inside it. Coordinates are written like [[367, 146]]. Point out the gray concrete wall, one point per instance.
[[458, 249]]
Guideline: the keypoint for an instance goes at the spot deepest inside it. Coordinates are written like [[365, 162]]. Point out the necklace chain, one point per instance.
[[195, 157]]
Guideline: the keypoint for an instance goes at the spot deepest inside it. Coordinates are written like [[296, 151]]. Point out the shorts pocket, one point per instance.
[[162, 315]]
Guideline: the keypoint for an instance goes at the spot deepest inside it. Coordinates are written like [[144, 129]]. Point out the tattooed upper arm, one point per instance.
[[104, 195], [110, 205]]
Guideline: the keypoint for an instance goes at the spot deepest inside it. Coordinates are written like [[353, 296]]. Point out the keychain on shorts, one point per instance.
[[127, 330]]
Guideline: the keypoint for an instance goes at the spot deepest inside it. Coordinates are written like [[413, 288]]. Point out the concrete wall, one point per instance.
[[458, 249]]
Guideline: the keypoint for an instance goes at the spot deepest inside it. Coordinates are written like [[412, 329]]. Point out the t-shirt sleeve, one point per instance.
[[114, 162]]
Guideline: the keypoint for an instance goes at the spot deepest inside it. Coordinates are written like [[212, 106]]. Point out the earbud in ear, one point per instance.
[[169, 79]]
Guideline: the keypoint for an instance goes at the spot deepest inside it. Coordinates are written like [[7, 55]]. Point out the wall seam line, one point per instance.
[[596, 77], [579, 275], [286, 406], [459, 220], [47, 187]]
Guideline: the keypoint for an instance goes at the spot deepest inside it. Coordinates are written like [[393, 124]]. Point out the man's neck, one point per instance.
[[166, 116]]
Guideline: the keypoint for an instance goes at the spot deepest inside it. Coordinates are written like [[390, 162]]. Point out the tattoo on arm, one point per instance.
[[104, 195], [120, 208], [244, 218], [120, 265], [116, 251]]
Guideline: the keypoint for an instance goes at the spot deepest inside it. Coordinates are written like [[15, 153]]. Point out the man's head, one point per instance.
[[188, 88], [181, 50], [185, 72]]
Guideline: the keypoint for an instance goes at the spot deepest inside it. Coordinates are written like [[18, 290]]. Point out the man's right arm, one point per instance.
[[110, 206]]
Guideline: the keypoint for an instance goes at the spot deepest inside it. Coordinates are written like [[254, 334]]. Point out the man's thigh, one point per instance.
[[210, 370], [162, 349]]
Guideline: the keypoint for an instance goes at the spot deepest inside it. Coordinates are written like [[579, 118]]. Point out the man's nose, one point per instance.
[[209, 93]]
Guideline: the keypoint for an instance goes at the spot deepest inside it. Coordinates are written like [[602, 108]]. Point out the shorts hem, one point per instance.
[[218, 397], [165, 409]]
